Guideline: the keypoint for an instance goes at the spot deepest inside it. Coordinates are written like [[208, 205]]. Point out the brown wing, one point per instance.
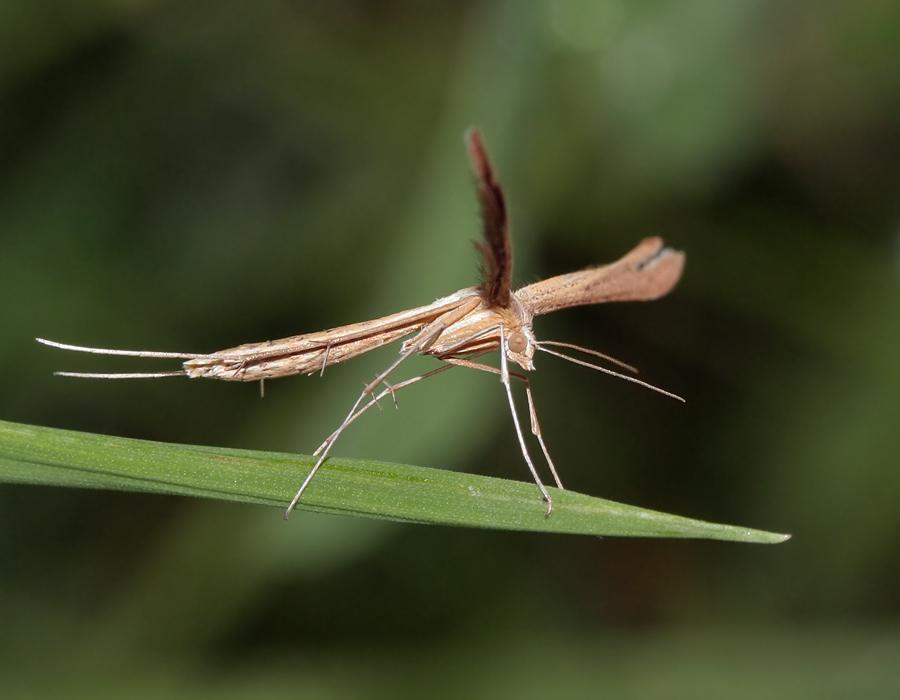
[[305, 354], [495, 249], [649, 271]]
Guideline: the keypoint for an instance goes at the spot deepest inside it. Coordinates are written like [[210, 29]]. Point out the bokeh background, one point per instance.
[[193, 175]]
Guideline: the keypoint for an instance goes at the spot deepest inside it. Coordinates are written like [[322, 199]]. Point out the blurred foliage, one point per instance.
[[193, 175]]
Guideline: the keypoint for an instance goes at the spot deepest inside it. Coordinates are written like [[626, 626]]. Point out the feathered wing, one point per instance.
[[649, 271], [496, 248]]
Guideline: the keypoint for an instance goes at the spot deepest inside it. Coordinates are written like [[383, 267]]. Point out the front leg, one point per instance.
[[535, 425]]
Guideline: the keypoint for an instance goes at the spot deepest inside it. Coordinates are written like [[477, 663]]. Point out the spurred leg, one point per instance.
[[422, 342]]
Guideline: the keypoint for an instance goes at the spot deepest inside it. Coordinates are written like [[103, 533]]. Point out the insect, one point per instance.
[[457, 329]]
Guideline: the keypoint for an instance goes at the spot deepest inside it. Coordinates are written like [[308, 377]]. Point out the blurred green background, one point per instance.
[[194, 175]]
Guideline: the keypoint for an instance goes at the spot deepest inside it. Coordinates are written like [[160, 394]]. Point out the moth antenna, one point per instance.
[[588, 351], [606, 370]]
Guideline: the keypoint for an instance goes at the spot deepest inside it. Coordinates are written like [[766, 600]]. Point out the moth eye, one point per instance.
[[517, 342]]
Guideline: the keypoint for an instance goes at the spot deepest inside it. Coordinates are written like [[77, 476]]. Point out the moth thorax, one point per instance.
[[517, 342]]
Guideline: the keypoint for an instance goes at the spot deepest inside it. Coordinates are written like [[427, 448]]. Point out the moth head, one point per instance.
[[520, 346]]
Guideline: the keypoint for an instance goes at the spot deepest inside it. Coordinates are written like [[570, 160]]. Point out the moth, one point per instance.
[[457, 329]]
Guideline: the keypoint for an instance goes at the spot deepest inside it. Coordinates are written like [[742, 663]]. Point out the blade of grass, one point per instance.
[[37, 455]]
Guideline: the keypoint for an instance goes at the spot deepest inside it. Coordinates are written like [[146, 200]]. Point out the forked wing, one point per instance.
[[496, 248], [649, 271]]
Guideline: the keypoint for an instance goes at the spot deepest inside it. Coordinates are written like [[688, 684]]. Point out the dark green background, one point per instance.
[[193, 175]]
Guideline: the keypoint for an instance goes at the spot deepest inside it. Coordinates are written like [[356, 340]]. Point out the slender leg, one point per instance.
[[535, 425], [392, 390], [421, 343], [536, 430], [504, 378], [460, 362]]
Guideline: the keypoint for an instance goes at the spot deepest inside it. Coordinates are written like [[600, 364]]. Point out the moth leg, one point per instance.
[[391, 389], [420, 343], [375, 398], [535, 425], [388, 389], [504, 378], [505, 374], [536, 429]]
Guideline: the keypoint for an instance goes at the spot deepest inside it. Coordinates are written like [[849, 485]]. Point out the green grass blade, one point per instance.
[[36, 455]]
